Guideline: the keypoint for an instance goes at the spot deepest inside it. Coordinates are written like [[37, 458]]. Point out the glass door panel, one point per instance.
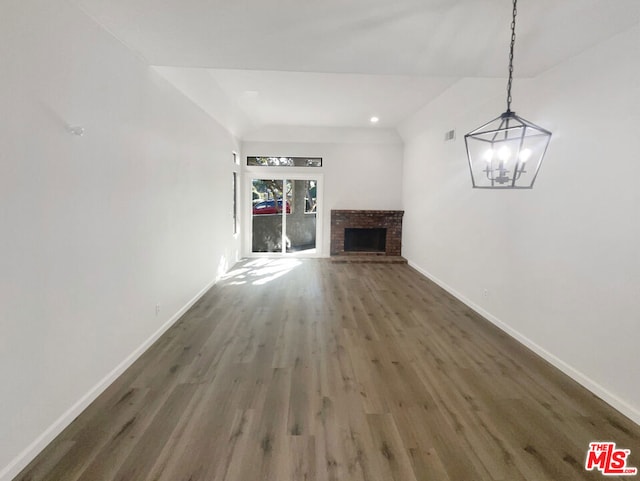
[[267, 215], [300, 222]]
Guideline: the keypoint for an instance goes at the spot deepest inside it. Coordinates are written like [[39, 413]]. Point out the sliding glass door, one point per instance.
[[284, 215]]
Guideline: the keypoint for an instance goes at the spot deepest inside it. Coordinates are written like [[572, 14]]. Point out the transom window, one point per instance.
[[285, 161]]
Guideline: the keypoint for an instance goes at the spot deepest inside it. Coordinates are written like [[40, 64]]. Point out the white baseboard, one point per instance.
[[610, 398], [31, 451]]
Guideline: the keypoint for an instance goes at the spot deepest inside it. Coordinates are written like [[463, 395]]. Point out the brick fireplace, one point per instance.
[[362, 220]]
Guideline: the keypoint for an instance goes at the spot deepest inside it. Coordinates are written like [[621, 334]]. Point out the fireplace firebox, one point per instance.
[[365, 239]]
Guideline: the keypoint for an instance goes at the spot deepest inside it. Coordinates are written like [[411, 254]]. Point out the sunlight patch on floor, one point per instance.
[[261, 271]]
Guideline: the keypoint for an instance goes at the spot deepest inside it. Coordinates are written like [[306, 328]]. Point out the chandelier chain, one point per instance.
[[513, 41]]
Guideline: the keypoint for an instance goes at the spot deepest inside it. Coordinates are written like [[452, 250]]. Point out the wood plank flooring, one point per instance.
[[308, 370]]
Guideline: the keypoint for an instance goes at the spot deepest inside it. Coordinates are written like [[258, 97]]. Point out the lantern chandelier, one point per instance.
[[506, 153]]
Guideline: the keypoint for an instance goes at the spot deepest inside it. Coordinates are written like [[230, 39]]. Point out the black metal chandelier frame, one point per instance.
[[501, 152]]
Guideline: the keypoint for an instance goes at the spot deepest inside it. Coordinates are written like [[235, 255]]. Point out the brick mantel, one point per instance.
[[367, 219]]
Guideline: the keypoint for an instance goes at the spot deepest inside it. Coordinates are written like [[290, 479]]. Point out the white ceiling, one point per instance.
[[338, 62], [298, 98]]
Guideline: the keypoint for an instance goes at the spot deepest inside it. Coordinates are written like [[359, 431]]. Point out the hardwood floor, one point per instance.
[[307, 370]]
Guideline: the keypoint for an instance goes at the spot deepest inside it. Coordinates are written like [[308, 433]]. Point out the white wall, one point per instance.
[[361, 169], [94, 230], [560, 262]]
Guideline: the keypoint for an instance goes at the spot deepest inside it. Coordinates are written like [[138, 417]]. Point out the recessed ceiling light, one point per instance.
[[374, 120]]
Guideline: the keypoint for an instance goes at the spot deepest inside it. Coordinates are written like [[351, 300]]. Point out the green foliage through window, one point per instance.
[[285, 161]]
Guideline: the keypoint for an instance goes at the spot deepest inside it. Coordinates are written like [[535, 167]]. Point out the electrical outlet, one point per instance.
[[485, 293], [157, 309]]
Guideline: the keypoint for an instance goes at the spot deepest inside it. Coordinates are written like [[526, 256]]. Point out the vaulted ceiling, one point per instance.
[[339, 62]]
